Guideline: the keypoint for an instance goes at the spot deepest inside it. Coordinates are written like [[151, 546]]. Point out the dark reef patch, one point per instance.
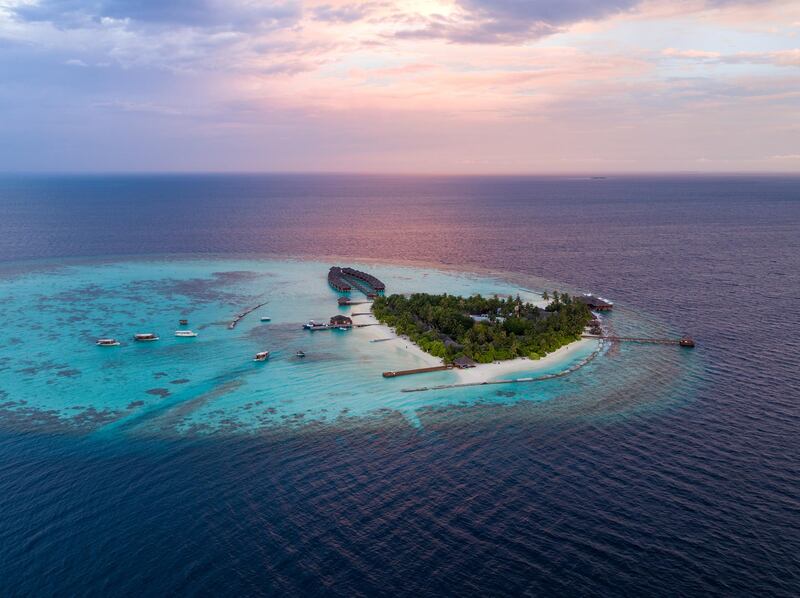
[[44, 366], [215, 289], [71, 373], [159, 392]]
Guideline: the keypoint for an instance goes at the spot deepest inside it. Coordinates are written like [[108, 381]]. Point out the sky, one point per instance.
[[390, 86]]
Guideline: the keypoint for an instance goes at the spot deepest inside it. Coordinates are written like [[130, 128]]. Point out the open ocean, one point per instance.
[[654, 471]]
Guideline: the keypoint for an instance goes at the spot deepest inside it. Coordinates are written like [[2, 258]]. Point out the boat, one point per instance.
[[300, 354], [185, 334], [266, 319], [261, 356], [311, 324], [107, 342], [145, 336], [183, 322]]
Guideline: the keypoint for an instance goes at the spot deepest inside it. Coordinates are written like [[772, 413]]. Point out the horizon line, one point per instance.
[[575, 174]]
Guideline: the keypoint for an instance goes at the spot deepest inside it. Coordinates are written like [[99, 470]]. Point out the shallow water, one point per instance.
[[207, 383], [651, 471]]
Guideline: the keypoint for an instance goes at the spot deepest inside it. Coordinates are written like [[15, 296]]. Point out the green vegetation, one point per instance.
[[442, 324]]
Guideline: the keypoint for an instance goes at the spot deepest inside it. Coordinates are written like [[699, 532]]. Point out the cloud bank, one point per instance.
[[385, 85]]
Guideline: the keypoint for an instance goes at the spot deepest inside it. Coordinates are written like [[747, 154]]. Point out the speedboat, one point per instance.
[[145, 336], [300, 354], [262, 356], [266, 319], [107, 342], [185, 334]]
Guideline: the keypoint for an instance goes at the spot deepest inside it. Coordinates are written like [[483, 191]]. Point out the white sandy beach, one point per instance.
[[482, 372], [383, 331]]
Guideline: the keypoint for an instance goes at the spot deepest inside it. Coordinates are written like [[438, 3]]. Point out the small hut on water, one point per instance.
[[341, 321]]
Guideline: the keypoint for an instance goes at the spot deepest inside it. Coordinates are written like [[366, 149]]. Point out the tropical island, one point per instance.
[[484, 329]]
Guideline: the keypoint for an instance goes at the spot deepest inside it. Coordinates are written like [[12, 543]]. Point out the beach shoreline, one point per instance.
[[482, 372], [486, 372]]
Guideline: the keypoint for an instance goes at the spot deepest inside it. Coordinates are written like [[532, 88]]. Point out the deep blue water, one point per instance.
[[696, 495]]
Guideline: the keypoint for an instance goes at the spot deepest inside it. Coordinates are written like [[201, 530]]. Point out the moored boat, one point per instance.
[[185, 334], [107, 342], [266, 319], [261, 356], [183, 322], [145, 336], [300, 354]]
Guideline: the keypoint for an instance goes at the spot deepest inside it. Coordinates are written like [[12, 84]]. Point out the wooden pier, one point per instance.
[[345, 301], [436, 368], [240, 316], [683, 342]]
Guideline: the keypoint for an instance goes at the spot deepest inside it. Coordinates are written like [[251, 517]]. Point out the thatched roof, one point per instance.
[[464, 362]]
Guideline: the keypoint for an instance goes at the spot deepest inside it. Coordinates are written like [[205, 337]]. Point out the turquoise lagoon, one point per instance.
[[53, 372]]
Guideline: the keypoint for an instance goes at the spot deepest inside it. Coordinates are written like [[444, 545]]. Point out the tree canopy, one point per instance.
[[484, 329]]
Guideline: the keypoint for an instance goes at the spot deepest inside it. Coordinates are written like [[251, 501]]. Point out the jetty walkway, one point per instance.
[[683, 342], [240, 316], [436, 368]]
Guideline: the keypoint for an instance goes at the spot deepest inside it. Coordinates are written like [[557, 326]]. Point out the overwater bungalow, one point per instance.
[[594, 302], [340, 321], [368, 278], [337, 280]]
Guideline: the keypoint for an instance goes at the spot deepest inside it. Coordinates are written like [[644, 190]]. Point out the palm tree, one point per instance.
[[545, 295]]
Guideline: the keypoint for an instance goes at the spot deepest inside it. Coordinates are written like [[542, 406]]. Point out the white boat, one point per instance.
[[262, 356], [266, 319], [311, 325], [300, 354], [145, 336], [185, 334], [107, 342]]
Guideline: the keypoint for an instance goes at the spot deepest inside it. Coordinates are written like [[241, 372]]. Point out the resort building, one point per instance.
[[340, 321], [464, 362]]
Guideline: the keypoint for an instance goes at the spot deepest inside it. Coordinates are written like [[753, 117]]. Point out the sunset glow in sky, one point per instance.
[[439, 86]]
